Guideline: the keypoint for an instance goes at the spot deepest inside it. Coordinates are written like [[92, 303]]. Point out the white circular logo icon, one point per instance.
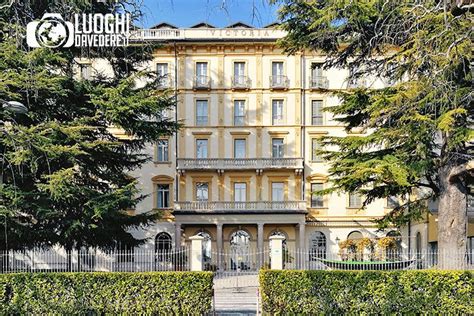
[[52, 32]]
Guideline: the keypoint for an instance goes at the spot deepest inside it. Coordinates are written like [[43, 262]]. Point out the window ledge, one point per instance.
[[162, 162]]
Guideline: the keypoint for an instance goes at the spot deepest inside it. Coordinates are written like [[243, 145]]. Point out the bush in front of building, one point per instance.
[[367, 292], [97, 293]]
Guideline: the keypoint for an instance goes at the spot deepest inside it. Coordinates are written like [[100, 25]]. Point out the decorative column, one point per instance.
[[196, 253], [220, 249], [276, 243], [301, 245], [260, 245], [177, 235]]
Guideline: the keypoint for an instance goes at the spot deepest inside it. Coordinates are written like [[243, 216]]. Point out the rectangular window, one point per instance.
[[277, 112], [355, 200], [202, 191], [162, 150], [201, 148], [316, 112], [162, 72], [277, 68], [316, 200], [392, 202], [239, 112], [163, 195], [85, 71], [240, 192], [239, 73], [277, 148], [201, 69], [315, 146], [162, 69], [201, 112], [239, 148], [316, 70], [278, 190]]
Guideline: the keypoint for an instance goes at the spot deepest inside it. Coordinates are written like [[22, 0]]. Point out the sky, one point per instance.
[[220, 13]]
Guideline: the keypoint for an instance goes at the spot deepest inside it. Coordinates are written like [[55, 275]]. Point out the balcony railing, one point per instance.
[[240, 163], [356, 83], [279, 82], [165, 82], [202, 82], [320, 82], [241, 82], [153, 34], [241, 207]]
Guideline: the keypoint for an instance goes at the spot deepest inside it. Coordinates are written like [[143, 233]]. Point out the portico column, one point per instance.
[[220, 249], [301, 244], [260, 245], [177, 236]]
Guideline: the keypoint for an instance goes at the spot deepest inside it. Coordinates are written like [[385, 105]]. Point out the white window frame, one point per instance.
[[278, 111], [162, 150]]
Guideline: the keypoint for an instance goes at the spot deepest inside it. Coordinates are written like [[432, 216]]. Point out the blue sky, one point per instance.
[[184, 13]]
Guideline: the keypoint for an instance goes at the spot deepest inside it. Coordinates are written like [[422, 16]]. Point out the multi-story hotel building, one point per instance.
[[243, 166]]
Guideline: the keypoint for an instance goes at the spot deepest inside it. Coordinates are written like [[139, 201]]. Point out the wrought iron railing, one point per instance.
[[279, 82], [240, 163], [318, 82], [241, 82], [356, 83], [202, 82]]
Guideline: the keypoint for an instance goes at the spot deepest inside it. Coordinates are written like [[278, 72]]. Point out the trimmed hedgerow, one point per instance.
[[367, 292], [148, 293]]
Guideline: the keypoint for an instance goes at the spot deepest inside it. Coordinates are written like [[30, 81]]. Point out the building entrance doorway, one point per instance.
[[240, 251]]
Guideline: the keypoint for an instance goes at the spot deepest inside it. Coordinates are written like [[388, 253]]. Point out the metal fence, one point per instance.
[[385, 260], [239, 261], [136, 260]]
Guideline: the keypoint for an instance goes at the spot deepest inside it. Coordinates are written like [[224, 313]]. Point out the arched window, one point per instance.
[[206, 246], [240, 250], [355, 235], [418, 243], [394, 253], [317, 245], [163, 242]]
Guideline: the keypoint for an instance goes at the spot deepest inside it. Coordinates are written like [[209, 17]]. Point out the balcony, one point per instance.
[[164, 82], [240, 207], [357, 83], [202, 83], [241, 83], [320, 82], [279, 82], [259, 164]]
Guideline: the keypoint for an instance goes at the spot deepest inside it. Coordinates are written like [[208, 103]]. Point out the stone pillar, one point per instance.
[[220, 249], [260, 245], [301, 245], [196, 253], [177, 235], [276, 243]]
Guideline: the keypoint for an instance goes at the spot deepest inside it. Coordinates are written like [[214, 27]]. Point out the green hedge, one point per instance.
[[161, 293], [367, 292]]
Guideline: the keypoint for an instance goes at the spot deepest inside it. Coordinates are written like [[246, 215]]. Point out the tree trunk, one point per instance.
[[452, 221]]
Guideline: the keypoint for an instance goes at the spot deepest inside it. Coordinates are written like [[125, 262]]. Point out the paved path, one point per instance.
[[236, 294]]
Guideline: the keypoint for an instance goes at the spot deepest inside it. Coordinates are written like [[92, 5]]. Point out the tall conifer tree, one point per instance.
[[65, 176], [419, 141]]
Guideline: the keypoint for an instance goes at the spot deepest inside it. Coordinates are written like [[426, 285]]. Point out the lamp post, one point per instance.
[[13, 107]]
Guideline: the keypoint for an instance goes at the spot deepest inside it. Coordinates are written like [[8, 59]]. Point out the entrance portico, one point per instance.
[[241, 241]]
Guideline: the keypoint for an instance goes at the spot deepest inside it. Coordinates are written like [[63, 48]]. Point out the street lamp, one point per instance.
[[14, 107]]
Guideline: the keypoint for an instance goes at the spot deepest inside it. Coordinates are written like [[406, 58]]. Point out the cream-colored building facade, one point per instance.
[[243, 165]]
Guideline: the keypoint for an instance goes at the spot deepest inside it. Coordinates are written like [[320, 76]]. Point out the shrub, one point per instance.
[[367, 292], [148, 293]]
